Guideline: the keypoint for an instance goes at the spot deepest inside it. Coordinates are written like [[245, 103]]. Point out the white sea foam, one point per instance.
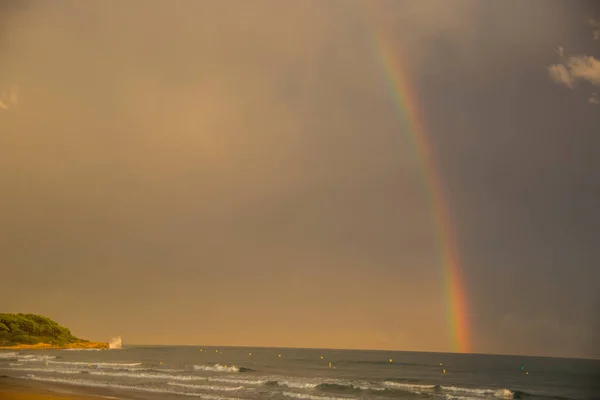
[[313, 397], [455, 397], [416, 388], [95, 364], [45, 370], [115, 343], [206, 387], [141, 375], [409, 387], [10, 354], [101, 384], [468, 390], [217, 368], [234, 381], [148, 375], [299, 384], [34, 358]]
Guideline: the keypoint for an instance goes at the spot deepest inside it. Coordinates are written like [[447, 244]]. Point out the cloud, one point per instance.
[[596, 31], [585, 68], [560, 74], [577, 68]]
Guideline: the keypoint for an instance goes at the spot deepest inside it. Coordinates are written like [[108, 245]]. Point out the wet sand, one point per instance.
[[16, 389]]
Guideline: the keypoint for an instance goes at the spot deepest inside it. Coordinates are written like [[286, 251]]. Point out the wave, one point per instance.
[[217, 368], [110, 385], [312, 397], [250, 382], [34, 358], [339, 388], [333, 386], [10, 354], [46, 370], [206, 387], [95, 364], [143, 375], [502, 393]]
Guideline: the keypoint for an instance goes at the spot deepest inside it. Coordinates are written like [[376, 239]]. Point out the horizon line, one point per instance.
[[592, 358]]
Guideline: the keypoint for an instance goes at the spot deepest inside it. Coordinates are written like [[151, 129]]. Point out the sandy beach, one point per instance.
[[16, 389]]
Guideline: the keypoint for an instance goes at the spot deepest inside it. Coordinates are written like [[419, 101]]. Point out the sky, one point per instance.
[[238, 173]]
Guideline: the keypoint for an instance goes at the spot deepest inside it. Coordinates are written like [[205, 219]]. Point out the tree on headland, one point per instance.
[[16, 329]]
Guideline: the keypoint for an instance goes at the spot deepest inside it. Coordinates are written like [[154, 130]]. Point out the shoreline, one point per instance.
[[22, 389]]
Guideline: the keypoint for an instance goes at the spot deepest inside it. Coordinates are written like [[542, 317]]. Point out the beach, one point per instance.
[[19, 389]]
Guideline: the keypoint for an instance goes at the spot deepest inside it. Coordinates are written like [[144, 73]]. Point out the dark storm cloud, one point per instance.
[[229, 166]]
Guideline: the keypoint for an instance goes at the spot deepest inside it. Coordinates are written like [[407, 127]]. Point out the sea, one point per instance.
[[228, 373]]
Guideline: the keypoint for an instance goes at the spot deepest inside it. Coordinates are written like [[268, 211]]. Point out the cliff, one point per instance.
[[30, 331]]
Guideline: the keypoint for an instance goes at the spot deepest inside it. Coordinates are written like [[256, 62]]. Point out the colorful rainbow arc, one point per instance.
[[406, 101]]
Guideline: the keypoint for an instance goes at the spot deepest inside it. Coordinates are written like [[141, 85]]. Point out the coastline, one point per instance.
[[19, 389], [47, 346]]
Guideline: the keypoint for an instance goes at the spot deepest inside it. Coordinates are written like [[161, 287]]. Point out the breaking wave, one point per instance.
[[312, 397], [206, 387], [95, 364], [20, 358], [217, 368]]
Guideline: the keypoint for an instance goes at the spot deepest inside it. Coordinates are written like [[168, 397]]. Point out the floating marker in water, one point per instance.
[[522, 367], [333, 367], [161, 363], [321, 357], [280, 355], [390, 360], [444, 371], [441, 364], [527, 373], [216, 351], [249, 354]]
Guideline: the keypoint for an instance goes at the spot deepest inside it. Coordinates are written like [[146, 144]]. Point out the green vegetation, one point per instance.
[[18, 329]]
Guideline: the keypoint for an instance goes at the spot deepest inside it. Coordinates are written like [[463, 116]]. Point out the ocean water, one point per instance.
[[180, 372]]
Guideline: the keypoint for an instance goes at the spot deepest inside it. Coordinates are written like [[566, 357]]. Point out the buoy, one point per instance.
[[441, 364], [526, 373], [444, 371], [390, 360], [89, 365], [216, 351], [333, 367], [161, 363], [321, 357], [280, 355], [249, 354]]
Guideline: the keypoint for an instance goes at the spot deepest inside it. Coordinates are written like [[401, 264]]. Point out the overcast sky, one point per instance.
[[236, 172]]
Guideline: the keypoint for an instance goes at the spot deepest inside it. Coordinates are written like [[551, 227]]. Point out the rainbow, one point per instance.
[[406, 101]]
